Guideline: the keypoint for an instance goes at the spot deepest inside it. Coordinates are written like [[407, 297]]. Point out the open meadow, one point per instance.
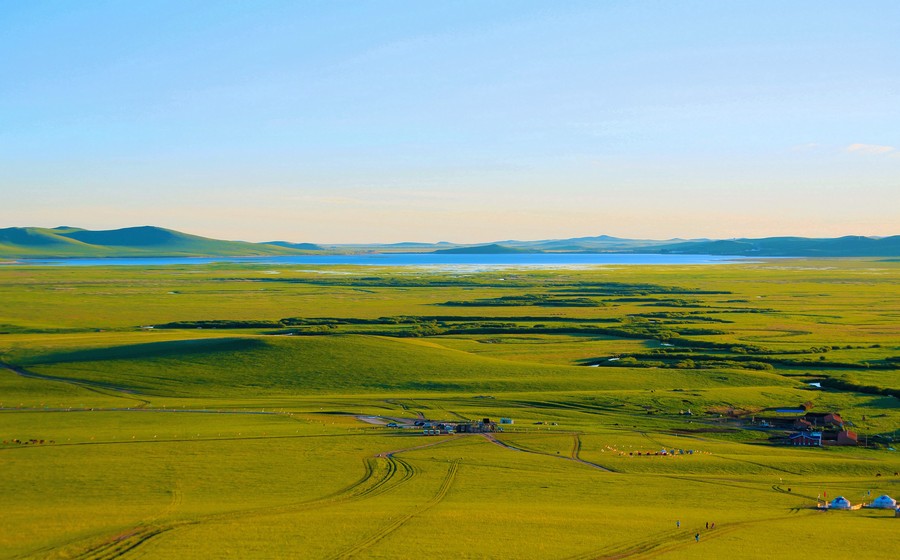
[[262, 411]]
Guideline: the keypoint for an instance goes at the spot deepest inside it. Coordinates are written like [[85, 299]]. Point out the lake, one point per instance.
[[408, 259]]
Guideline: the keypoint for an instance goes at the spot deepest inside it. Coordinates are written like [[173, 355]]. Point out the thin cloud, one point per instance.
[[869, 149]]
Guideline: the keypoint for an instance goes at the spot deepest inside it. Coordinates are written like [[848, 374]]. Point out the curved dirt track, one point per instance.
[[667, 541], [382, 473], [573, 456], [370, 541]]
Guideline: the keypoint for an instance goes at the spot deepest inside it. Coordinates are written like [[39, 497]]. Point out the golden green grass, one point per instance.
[[219, 443]]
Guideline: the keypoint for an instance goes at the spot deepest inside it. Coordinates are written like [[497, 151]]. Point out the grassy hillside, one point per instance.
[[141, 241], [341, 364]]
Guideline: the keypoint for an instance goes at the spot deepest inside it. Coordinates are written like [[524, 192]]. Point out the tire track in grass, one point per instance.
[[622, 550], [125, 541], [120, 544], [778, 488], [376, 480], [423, 446], [746, 486], [104, 548], [436, 404], [380, 476], [720, 531], [94, 386], [400, 522], [667, 541], [576, 446], [575, 453]]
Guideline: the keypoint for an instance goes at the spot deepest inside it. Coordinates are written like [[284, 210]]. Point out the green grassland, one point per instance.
[[234, 427]]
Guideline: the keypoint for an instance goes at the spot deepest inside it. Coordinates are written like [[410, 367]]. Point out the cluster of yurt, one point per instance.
[[881, 502]]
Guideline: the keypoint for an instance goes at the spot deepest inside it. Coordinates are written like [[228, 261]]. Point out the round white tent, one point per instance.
[[884, 501], [840, 503]]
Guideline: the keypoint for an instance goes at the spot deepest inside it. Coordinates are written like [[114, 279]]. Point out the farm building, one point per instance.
[[884, 502], [824, 419], [846, 437], [485, 425], [806, 439], [840, 503]]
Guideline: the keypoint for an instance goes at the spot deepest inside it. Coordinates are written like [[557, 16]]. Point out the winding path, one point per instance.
[[574, 456], [382, 473]]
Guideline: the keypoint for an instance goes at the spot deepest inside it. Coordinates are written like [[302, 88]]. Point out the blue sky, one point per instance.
[[461, 121]]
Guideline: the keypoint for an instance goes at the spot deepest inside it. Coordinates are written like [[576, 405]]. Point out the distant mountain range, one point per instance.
[[150, 241], [492, 249], [848, 246]]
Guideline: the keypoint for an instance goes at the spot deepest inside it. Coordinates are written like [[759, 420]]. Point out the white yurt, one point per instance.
[[884, 502], [839, 503]]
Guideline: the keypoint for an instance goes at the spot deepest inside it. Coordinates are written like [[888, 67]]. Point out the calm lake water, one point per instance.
[[408, 259]]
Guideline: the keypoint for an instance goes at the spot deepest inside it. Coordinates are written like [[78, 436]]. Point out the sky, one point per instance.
[[462, 121]]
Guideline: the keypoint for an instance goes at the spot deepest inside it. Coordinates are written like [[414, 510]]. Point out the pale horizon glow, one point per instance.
[[468, 122]]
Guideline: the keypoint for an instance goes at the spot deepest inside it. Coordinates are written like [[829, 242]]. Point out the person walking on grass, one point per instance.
[[697, 537], [678, 524]]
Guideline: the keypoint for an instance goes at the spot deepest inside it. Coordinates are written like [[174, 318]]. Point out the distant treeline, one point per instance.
[[437, 325], [680, 316], [221, 324], [739, 358], [445, 320], [845, 385], [633, 361], [526, 301], [622, 288]]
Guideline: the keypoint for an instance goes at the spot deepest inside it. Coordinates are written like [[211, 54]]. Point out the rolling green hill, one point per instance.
[[300, 246], [348, 364], [143, 241]]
